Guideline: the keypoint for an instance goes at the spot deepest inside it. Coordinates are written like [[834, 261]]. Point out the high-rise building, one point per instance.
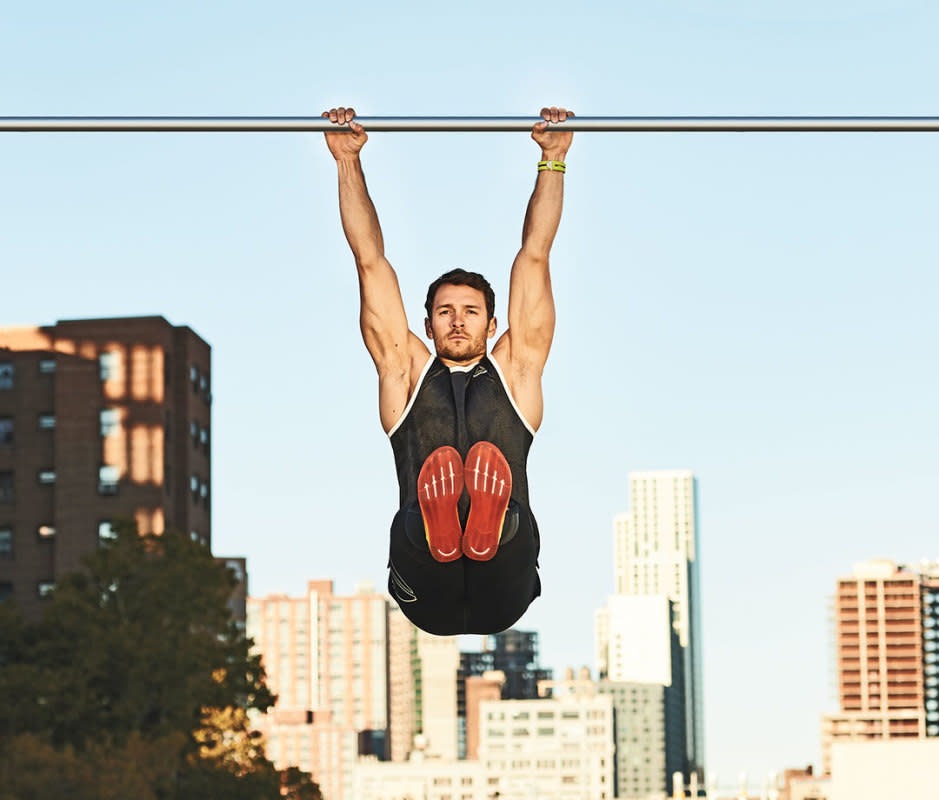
[[551, 748], [648, 729], [403, 676], [886, 620], [326, 659], [479, 688], [514, 653], [100, 419], [657, 553], [439, 662]]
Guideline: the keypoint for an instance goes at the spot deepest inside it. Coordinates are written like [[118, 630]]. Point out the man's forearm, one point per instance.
[[359, 218], [544, 213]]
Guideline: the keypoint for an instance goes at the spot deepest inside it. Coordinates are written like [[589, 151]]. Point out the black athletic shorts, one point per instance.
[[464, 596]]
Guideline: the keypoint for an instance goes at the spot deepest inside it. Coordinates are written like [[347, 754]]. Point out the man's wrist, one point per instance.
[[554, 155]]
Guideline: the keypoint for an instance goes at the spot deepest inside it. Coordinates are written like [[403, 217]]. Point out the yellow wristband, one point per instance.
[[552, 166]]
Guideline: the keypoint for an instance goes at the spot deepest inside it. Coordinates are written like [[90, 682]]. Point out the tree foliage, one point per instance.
[[135, 682]]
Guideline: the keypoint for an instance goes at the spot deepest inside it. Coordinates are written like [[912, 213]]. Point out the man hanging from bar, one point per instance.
[[464, 542]]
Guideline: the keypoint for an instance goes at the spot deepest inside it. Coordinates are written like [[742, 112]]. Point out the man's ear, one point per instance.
[[492, 328], [427, 329]]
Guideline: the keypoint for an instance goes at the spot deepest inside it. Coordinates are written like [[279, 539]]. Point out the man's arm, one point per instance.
[[523, 349], [382, 318]]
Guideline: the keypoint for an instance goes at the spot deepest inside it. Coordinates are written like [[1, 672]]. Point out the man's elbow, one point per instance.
[[535, 255]]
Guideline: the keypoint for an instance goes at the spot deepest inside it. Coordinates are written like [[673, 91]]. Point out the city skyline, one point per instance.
[[759, 308]]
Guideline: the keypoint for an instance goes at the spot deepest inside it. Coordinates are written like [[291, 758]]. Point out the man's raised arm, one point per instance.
[[382, 317], [531, 303]]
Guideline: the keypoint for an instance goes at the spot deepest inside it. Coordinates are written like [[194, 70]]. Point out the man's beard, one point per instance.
[[461, 350]]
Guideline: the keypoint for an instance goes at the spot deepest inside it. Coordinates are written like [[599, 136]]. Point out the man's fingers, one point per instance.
[[555, 114], [342, 116]]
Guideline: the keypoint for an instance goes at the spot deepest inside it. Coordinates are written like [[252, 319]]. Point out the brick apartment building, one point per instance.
[[100, 419], [887, 642]]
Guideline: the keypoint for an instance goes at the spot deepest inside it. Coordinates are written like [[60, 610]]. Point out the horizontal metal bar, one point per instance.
[[474, 124]]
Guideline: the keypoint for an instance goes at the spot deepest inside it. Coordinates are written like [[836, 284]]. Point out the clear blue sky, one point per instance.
[[758, 308]]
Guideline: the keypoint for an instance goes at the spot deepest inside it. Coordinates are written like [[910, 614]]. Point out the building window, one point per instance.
[[204, 437], [6, 590], [46, 476], [108, 477], [110, 419], [194, 486], [6, 375], [6, 487], [106, 532], [46, 531], [6, 542], [6, 430], [46, 366], [46, 422], [45, 588], [108, 364]]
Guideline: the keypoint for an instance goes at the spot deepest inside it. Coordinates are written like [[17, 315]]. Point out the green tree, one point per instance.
[[135, 661]]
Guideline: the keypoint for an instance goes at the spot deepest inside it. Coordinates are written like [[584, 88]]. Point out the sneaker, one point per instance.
[[489, 485], [439, 486]]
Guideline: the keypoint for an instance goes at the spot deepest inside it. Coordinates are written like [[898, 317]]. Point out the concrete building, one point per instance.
[[648, 730], [421, 778], [436, 699], [100, 419], [886, 629], [514, 653], [479, 688], [326, 659], [657, 553], [558, 748], [403, 674], [894, 769]]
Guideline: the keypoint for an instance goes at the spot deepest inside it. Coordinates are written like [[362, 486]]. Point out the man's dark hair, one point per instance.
[[460, 277]]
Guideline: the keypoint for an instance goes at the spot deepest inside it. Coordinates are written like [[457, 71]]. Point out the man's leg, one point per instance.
[[431, 593], [499, 591]]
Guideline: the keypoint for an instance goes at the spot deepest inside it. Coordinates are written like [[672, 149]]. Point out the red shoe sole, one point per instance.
[[439, 486], [489, 485]]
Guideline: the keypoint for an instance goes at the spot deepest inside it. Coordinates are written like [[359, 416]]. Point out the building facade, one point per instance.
[[887, 655], [558, 748], [657, 553], [403, 676], [100, 420], [514, 653], [326, 659]]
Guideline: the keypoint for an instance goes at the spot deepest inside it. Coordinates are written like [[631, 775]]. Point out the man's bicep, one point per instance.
[[382, 318], [531, 307]]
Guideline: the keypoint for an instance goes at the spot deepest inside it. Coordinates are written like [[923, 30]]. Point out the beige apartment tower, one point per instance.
[[100, 419], [326, 659]]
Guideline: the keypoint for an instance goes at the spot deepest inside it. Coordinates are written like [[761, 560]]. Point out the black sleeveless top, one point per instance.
[[459, 408]]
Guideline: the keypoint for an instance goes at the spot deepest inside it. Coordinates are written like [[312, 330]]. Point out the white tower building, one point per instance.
[[656, 552]]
